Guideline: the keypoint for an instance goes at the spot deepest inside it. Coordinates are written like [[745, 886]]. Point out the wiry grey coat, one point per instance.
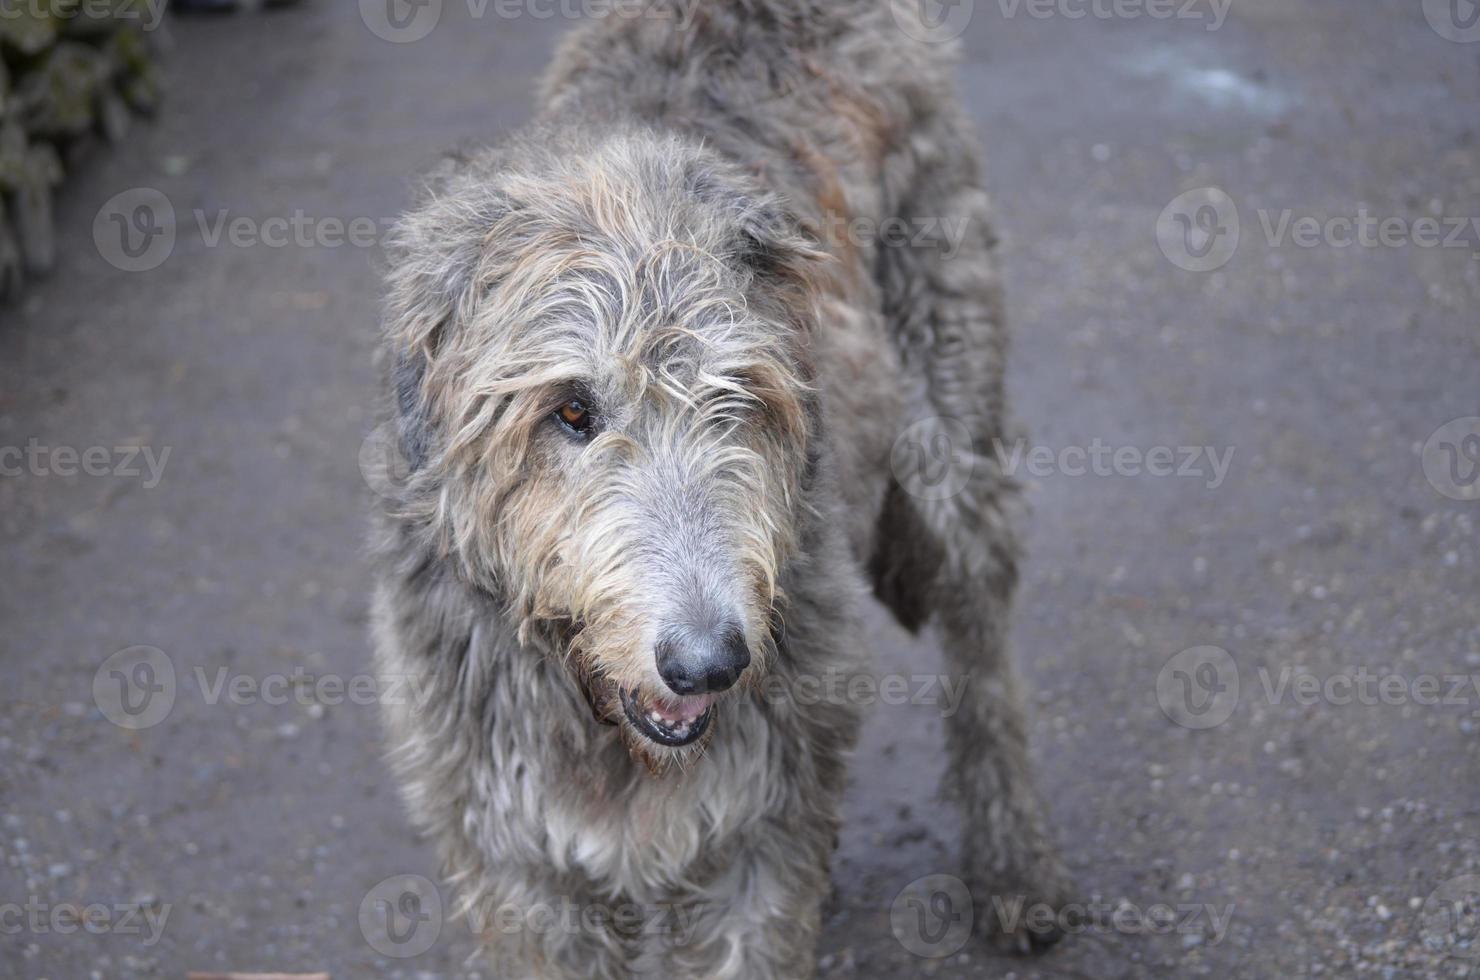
[[684, 242]]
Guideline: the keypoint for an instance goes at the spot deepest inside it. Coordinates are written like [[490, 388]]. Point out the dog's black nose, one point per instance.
[[700, 661]]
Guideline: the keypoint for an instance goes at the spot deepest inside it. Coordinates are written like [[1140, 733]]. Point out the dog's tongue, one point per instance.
[[676, 710]]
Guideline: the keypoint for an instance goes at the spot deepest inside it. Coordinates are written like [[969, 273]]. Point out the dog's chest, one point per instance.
[[657, 834]]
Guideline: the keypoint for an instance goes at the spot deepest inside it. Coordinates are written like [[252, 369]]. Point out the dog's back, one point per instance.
[[820, 97]]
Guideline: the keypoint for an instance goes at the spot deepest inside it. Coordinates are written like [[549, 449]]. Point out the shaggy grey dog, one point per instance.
[[651, 368]]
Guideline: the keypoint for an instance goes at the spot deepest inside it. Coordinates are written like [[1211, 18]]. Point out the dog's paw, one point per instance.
[[1025, 910]]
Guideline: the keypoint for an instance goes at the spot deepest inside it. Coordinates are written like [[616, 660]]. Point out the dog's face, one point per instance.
[[602, 368]]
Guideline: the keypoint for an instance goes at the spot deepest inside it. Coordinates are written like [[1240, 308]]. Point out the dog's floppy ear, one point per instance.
[[773, 242], [434, 252], [769, 239], [411, 413]]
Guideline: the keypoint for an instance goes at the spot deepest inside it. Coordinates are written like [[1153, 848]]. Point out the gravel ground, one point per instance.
[[1301, 790]]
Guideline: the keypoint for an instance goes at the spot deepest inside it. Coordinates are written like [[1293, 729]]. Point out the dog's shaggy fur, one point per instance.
[[674, 244]]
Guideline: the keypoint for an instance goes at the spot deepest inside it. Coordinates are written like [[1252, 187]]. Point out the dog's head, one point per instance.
[[602, 373]]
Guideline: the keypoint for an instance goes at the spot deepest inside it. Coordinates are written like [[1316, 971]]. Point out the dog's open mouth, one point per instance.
[[672, 721]]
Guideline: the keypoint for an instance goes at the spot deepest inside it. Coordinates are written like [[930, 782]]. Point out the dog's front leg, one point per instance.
[[1010, 859]]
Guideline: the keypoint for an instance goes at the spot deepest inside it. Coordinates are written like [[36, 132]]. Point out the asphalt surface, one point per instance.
[[1297, 814]]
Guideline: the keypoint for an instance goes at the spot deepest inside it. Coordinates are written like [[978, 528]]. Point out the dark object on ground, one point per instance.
[[68, 78]]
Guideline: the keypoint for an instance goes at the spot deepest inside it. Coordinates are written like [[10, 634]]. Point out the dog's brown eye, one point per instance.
[[575, 414]]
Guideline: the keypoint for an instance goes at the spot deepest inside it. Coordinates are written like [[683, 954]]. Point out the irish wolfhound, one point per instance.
[[651, 358]]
